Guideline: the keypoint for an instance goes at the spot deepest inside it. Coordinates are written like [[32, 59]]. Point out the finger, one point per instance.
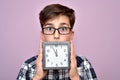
[[73, 56], [72, 50], [39, 59]]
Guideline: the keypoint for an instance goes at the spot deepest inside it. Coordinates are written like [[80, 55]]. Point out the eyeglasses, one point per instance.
[[61, 30]]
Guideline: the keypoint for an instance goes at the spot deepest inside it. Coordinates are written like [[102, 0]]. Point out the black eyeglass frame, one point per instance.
[[57, 30]]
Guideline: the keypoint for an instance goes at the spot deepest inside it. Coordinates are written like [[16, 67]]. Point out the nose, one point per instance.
[[56, 35]]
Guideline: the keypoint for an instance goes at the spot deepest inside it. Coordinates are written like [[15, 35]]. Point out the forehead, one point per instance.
[[59, 20]]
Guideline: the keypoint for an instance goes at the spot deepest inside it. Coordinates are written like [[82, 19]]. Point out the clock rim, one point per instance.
[[53, 43]]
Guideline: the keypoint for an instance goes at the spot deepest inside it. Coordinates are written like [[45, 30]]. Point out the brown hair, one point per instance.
[[54, 10]]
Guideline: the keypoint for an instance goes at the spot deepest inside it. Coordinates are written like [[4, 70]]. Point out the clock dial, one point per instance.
[[56, 55]]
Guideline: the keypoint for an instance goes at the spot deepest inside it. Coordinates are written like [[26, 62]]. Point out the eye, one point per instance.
[[49, 29], [63, 29]]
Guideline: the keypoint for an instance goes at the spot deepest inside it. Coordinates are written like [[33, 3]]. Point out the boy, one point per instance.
[[57, 23]]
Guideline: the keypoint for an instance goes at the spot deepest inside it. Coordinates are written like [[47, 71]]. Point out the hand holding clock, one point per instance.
[[40, 73], [73, 73]]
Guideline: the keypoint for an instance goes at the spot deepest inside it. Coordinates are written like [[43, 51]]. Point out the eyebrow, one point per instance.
[[48, 24], [60, 24], [64, 24]]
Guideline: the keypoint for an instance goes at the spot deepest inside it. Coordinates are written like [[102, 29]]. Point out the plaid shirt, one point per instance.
[[84, 67]]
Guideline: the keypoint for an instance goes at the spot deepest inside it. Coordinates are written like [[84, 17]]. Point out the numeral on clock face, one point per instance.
[[48, 50], [64, 50], [61, 63], [66, 55], [52, 63], [64, 59], [56, 65], [46, 55], [48, 60]]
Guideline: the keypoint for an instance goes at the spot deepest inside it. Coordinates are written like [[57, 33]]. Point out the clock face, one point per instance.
[[56, 55]]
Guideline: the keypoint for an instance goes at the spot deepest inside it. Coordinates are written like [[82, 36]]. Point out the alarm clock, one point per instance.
[[56, 55]]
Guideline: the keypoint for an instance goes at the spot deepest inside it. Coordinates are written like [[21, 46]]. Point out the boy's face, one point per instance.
[[60, 22]]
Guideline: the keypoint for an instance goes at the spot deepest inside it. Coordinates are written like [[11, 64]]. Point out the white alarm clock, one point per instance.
[[56, 55]]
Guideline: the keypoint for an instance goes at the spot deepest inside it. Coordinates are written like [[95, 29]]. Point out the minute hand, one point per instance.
[[55, 51]]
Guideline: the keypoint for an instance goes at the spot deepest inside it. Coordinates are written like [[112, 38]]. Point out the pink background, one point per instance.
[[97, 34]]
